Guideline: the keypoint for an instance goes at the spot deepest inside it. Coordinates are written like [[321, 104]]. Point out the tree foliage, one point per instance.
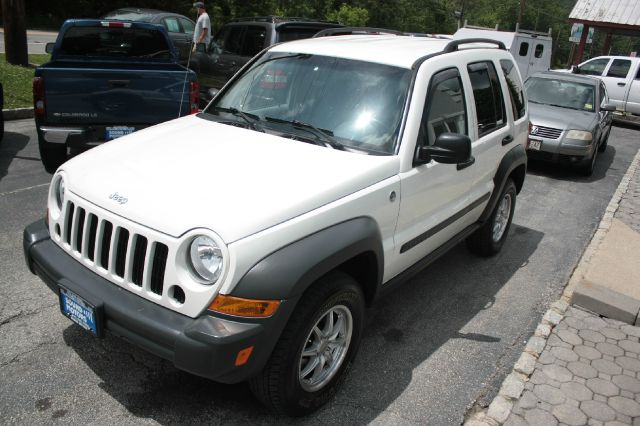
[[418, 16]]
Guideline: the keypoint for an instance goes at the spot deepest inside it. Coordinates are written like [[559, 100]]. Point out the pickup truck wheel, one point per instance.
[[488, 240], [316, 348], [51, 154]]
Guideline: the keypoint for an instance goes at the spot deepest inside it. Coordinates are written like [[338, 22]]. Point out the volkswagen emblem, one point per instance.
[[534, 130]]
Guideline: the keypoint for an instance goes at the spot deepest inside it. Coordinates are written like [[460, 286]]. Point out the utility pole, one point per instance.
[[15, 32]]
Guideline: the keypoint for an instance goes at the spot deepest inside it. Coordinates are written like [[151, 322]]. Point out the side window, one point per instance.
[[488, 96], [619, 68], [524, 49], [538, 52], [233, 43], [444, 109], [171, 24], [515, 88], [595, 67], [253, 41], [221, 37], [187, 26]]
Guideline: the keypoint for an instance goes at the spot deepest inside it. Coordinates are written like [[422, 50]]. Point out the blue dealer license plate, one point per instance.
[[78, 310], [118, 131]]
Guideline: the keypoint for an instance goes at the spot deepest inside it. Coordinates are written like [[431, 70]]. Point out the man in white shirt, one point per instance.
[[202, 32]]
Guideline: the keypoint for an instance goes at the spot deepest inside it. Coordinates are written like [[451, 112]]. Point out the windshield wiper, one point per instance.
[[250, 119], [324, 137]]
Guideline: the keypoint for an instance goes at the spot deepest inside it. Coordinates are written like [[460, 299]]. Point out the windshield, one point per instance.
[[358, 104], [561, 93]]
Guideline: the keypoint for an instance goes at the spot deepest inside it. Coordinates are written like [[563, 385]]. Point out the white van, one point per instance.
[[530, 49]]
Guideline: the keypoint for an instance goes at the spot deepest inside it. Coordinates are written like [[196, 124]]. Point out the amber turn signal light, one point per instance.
[[239, 307]]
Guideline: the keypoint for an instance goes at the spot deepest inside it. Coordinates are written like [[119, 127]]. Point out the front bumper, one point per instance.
[[558, 151], [206, 346]]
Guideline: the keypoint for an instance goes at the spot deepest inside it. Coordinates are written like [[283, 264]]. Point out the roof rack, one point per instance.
[[356, 31], [453, 45], [275, 19]]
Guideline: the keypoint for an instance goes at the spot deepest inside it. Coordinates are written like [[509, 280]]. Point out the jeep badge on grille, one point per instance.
[[118, 198]]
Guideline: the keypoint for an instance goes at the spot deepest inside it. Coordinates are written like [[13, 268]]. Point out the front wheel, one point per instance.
[[488, 240], [316, 348]]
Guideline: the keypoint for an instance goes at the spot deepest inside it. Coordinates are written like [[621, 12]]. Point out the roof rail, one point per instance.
[[275, 19], [478, 27], [453, 45], [533, 33], [356, 30]]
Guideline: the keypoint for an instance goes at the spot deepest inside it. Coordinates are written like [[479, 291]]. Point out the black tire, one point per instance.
[[52, 155], [604, 142], [279, 386], [488, 240], [587, 168]]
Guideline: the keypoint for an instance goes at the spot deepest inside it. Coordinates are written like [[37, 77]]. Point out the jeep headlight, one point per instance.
[[56, 194], [580, 135], [206, 259]]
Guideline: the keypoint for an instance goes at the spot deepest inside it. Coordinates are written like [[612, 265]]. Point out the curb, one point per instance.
[[513, 385], [17, 113]]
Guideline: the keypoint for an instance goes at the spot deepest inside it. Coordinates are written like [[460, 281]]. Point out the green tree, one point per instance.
[[352, 16]]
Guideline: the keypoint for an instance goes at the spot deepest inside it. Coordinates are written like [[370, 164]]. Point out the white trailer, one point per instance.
[[531, 49]]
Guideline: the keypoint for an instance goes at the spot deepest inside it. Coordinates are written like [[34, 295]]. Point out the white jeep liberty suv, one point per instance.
[[244, 242]]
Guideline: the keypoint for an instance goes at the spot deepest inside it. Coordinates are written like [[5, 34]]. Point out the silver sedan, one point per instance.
[[570, 118]]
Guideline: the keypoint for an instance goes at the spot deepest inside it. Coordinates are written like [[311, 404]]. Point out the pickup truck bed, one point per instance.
[[107, 79]]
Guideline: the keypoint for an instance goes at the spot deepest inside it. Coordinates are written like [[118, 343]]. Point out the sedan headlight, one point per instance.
[[206, 259], [580, 135]]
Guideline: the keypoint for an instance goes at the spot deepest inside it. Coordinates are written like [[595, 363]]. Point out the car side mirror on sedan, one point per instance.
[[449, 148], [608, 107], [49, 47], [575, 69]]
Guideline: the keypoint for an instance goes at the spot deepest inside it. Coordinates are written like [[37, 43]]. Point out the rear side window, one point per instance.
[[515, 88], [114, 42], [488, 96], [444, 109], [253, 41], [171, 24], [619, 68], [595, 67]]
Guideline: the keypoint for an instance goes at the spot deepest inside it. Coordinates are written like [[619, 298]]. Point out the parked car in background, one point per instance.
[[179, 27], [242, 38], [570, 118], [107, 79], [621, 76]]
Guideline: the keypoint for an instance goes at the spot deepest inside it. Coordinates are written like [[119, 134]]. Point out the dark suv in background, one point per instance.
[[179, 27], [242, 38]]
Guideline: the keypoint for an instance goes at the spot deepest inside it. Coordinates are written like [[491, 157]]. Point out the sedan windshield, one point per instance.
[[560, 93], [342, 102]]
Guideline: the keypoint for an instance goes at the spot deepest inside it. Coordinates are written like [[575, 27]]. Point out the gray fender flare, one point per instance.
[[514, 159], [286, 273]]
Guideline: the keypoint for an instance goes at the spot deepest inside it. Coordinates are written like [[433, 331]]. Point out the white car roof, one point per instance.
[[400, 51]]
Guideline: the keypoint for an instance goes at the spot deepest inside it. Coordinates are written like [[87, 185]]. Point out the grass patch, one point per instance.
[[16, 81]]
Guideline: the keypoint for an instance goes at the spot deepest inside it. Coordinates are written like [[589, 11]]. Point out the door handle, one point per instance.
[[621, 84], [466, 164], [118, 83], [507, 140]]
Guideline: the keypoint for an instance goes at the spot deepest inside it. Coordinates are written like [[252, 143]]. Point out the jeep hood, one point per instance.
[[193, 173]]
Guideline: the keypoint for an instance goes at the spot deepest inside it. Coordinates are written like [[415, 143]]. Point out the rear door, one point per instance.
[[522, 50], [617, 78], [180, 40], [633, 98], [539, 56]]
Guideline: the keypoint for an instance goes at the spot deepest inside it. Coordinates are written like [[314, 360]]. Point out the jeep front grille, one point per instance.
[[547, 132], [125, 254]]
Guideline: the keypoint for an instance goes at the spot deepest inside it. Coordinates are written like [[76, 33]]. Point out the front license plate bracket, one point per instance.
[[81, 310]]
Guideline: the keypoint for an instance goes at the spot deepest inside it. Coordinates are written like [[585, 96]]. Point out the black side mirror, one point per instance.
[[608, 107], [575, 69], [49, 47], [449, 148]]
